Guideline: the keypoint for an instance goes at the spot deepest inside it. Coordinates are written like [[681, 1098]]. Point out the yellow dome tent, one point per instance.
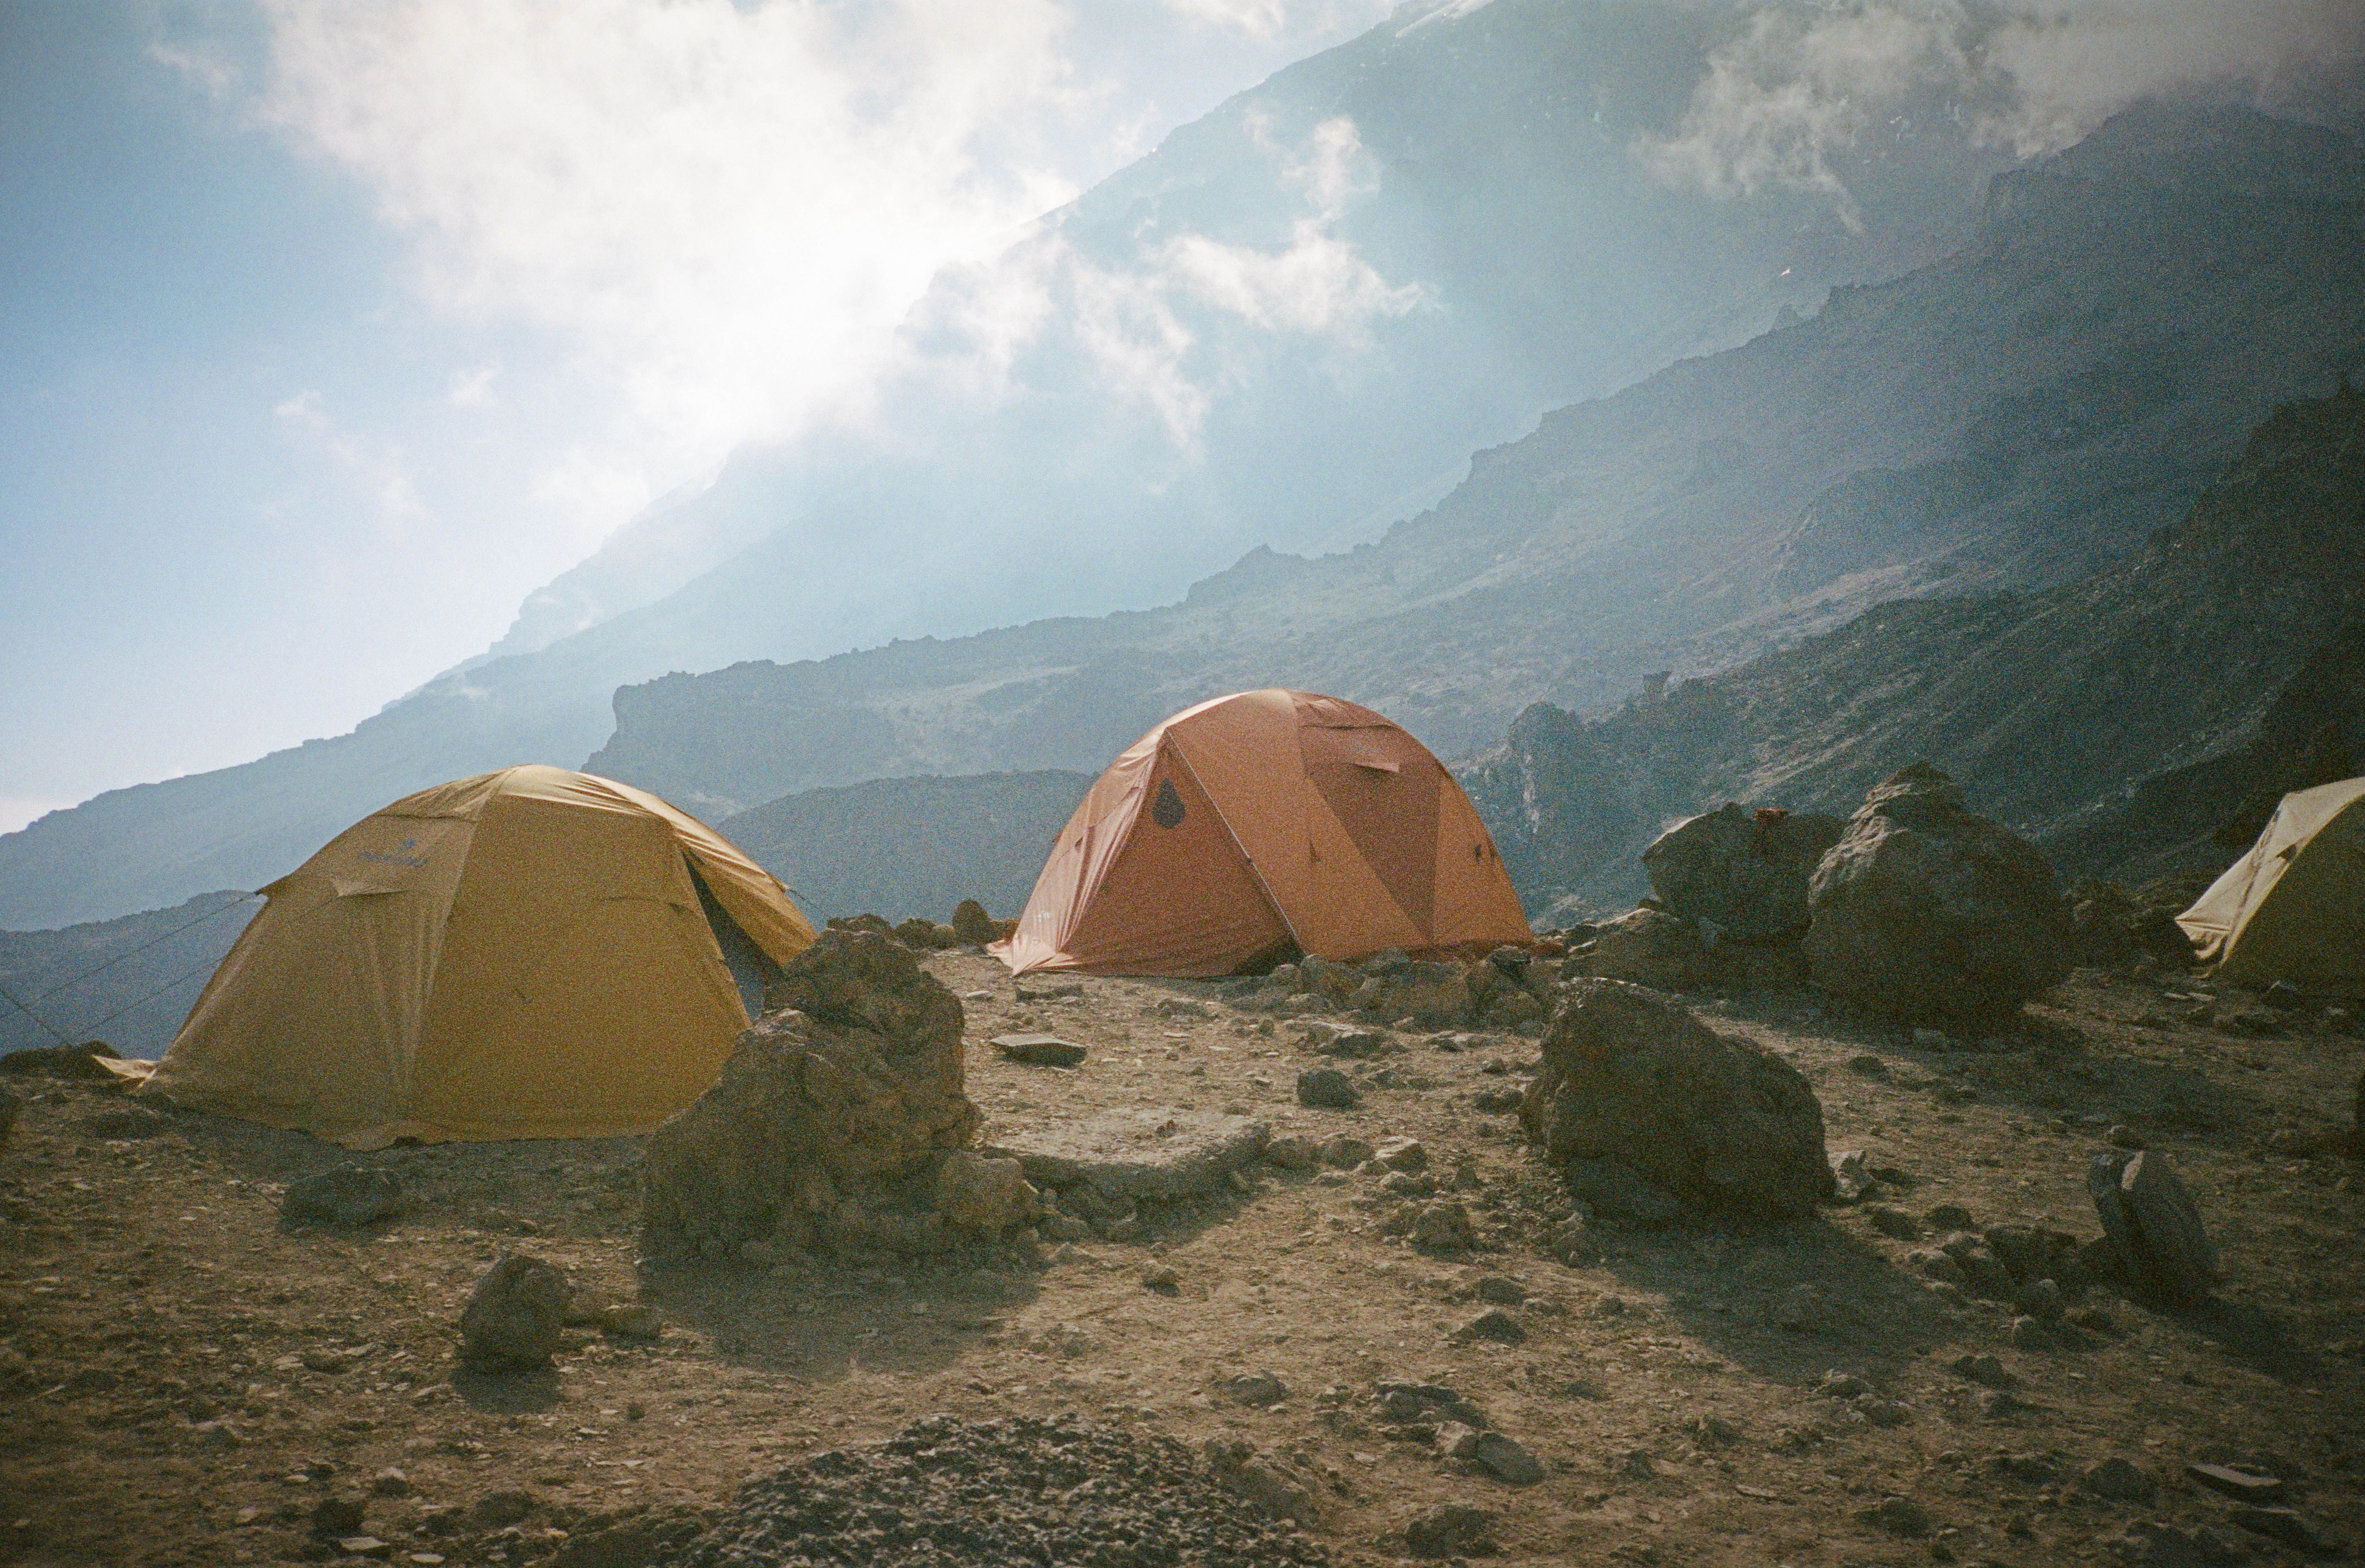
[[2293, 908], [1258, 822], [531, 953]]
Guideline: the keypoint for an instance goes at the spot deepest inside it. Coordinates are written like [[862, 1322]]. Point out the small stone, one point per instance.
[[1326, 1088], [1982, 1369], [1884, 1412], [1492, 1324], [1445, 1227], [216, 1434], [1934, 1264], [1456, 1440], [1345, 1153], [321, 1359], [1258, 1388], [335, 1516], [1161, 1277], [1898, 1516], [2028, 1334], [1950, 1216], [981, 1195], [1455, 1529], [2122, 1137], [2119, 1480], [632, 1320], [1891, 1222], [515, 1316], [2040, 1299], [1293, 1153], [365, 1546], [1507, 1460], [389, 1483], [1038, 1050], [2155, 1545], [1404, 1154], [1869, 1065], [348, 1194], [1500, 1290], [2235, 1482]]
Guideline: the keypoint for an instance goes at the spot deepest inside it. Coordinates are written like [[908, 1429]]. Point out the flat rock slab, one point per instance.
[[1137, 1153], [1039, 1050]]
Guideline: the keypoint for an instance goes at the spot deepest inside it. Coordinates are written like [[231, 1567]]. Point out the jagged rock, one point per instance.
[[1260, 1477], [853, 1083], [2155, 1233], [1453, 1529], [347, 1194], [1743, 871], [1326, 1088], [916, 932], [1715, 1121], [972, 924], [1648, 946], [1925, 909], [1445, 1227], [515, 1316], [985, 1197]]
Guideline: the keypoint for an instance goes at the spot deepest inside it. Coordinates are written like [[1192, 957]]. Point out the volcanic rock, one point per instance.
[[1743, 871], [345, 1194], [852, 1081], [2155, 1234], [1926, 911], [1714, 1120], [515, 1316], [972, 924]]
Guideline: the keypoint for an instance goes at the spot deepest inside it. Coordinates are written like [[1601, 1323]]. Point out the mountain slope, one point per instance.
[[2013, 416], [2121, 720], [1289, 325]]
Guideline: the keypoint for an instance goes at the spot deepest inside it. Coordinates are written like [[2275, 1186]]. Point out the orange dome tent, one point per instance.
[[1252, 823], [531, 953]]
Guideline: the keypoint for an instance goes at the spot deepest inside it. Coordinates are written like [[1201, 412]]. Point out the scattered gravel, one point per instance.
[[949, 1493]]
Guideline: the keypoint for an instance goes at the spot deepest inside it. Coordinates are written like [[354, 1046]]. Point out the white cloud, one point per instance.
[[720, 212], [1278, 18], [472, 388], [1796, 88], [1317, 284]]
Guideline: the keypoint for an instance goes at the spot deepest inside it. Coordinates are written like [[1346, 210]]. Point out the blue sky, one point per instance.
[[328, 332]]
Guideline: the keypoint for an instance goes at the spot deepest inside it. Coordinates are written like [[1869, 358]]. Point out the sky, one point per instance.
[[328, 332]]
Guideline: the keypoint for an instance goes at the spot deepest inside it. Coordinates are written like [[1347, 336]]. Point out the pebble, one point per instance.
[[1507, 1460], [1492, 1324], [1326, 1089], [1160, 1277], [1892, 1222], [1406, 1154], [390, 1482], [2119, 1480]]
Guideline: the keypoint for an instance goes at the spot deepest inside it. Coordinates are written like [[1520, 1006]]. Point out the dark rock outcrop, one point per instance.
[[832, 1117], [1926, 909], [1717, 1123], [1743, 871]]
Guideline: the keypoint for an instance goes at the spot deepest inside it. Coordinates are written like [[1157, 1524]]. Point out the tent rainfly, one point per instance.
[[2293, 908], [1257, 823], [531, 953]]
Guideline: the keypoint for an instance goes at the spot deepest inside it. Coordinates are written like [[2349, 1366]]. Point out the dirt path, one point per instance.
[[184, 1380]]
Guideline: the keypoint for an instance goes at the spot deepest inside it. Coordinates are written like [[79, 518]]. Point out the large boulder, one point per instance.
[[1713, 1121], [1745, 872], [1927, 910], [835, 1109]]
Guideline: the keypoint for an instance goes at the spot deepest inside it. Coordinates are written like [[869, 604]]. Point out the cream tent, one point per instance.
[[531, 953], [2293, 908], [1257, 823]]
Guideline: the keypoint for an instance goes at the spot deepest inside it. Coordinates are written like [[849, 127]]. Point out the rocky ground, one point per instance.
[[186, 1377]]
